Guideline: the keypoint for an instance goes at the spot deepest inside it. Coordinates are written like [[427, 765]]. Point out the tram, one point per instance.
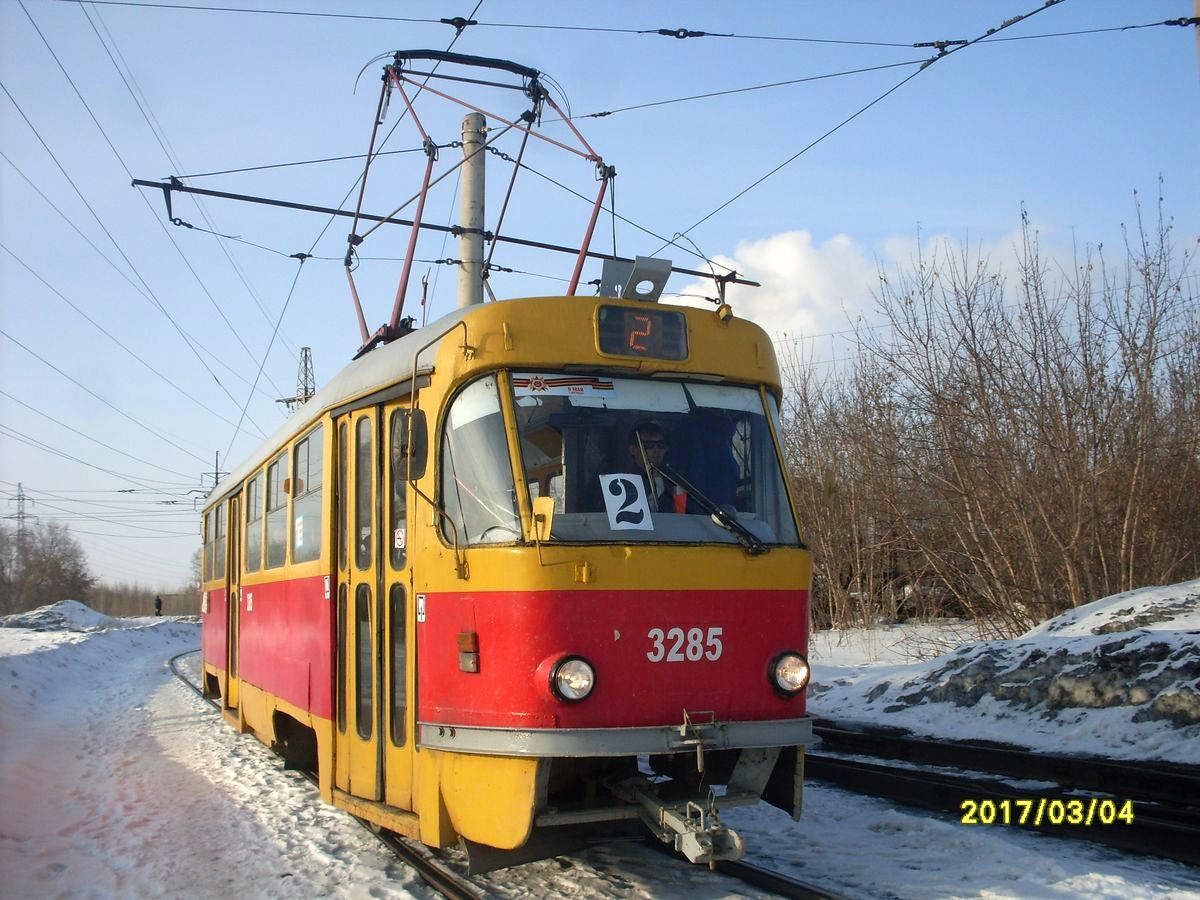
[[411, 590], [528, 574]]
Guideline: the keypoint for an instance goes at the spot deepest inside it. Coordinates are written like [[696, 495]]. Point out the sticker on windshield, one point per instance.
[[560, 385], [625, 502]]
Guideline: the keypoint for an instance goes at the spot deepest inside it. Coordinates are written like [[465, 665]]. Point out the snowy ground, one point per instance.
[[116, 781]]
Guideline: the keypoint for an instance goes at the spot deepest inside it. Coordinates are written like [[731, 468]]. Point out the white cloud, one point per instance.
[[817, 292], [808, 289]]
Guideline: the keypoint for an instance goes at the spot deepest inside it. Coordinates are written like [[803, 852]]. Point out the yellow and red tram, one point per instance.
[[444, 586]]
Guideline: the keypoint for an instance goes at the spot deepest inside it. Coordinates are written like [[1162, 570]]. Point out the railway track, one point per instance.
[[1149, 808], [440, 875]]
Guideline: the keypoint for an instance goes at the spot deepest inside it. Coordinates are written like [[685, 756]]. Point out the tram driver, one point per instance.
[[648, 446]]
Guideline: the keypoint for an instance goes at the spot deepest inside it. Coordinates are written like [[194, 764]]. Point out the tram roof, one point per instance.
[[390, 364]]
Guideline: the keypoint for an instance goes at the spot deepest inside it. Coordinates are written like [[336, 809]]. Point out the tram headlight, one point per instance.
[[790, 673], [572, 679]]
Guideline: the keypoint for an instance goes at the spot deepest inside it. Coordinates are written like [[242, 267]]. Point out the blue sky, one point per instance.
[[1069, 125]]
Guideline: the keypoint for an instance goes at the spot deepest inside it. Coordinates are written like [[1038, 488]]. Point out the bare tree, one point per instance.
[[1007, 450], [50, 566]]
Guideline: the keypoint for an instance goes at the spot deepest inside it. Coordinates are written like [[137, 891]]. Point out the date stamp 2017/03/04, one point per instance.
[[1047, 811]]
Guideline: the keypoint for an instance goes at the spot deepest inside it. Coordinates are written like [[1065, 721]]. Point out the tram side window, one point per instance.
[[219, 544], [276, 513], [363, 659], [364, 505], [342, 650], [254, 513], [397, 507], [477, 482], [206, 556], [343, 464], [308, 464], [398, 662]]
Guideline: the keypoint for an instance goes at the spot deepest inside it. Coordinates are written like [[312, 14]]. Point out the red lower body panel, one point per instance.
[[655, 654]]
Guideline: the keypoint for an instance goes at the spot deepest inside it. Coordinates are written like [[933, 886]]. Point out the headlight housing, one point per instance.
[[572, 679], [790, 673]]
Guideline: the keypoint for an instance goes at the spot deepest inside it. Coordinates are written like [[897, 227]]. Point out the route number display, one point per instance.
[[641, 331]]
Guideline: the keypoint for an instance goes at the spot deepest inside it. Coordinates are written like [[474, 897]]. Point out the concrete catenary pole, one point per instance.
[[470, 242]]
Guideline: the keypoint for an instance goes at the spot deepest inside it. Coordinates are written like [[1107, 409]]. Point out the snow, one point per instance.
[[1119, 677], [117, 781]]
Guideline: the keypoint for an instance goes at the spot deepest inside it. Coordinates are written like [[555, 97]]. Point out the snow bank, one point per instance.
[[1119, 677], [66, 615]]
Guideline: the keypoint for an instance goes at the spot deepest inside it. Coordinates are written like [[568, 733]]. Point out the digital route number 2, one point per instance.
[[636, 334]]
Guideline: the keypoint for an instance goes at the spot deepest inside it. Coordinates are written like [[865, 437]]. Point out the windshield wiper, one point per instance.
[[722, 517]]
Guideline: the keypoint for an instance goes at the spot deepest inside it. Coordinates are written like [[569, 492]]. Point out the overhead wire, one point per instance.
[[141, 481], [150, 291], [74, 430], [303, 162], [119, 497], [263, 362], [156, 129], [746, 90], [188, 337], [350, 190], [300, 267], [120, 159], [625, 219], [158, 434], [1194, 20], [108, 521], [460, 24], [113, 337], [595, 115], [943, 53]]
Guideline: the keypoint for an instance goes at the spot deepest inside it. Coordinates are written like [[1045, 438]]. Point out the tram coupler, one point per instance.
[[691, 825]]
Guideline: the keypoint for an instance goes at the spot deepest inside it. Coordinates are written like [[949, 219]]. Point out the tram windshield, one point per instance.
[[647, 460]]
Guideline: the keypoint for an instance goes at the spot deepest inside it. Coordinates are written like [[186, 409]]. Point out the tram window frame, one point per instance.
[[364, 664], [206, 556], [219, 542], [343, 496], [699, 420], [398, 499], [276, 537], [308, 479], [398, 662], [475, 421], [364, 492], [253, 557], [343, 649]]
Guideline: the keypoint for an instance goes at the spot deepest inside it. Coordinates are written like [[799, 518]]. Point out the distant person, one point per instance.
[[157, 605]]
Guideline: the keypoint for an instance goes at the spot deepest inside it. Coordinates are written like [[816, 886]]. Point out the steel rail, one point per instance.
[[1154, 781], [756, 876], [1153, 831], [420, 858], [450, 884], [775, 882]]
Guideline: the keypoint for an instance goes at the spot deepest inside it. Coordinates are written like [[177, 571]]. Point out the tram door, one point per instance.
[[358, 768], [234, 595], [373, 609], [398, 663]]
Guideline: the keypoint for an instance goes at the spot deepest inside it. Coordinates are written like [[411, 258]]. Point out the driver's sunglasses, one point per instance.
[[651, 444]]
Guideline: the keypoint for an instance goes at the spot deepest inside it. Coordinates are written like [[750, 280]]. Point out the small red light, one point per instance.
[[468, 642]]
